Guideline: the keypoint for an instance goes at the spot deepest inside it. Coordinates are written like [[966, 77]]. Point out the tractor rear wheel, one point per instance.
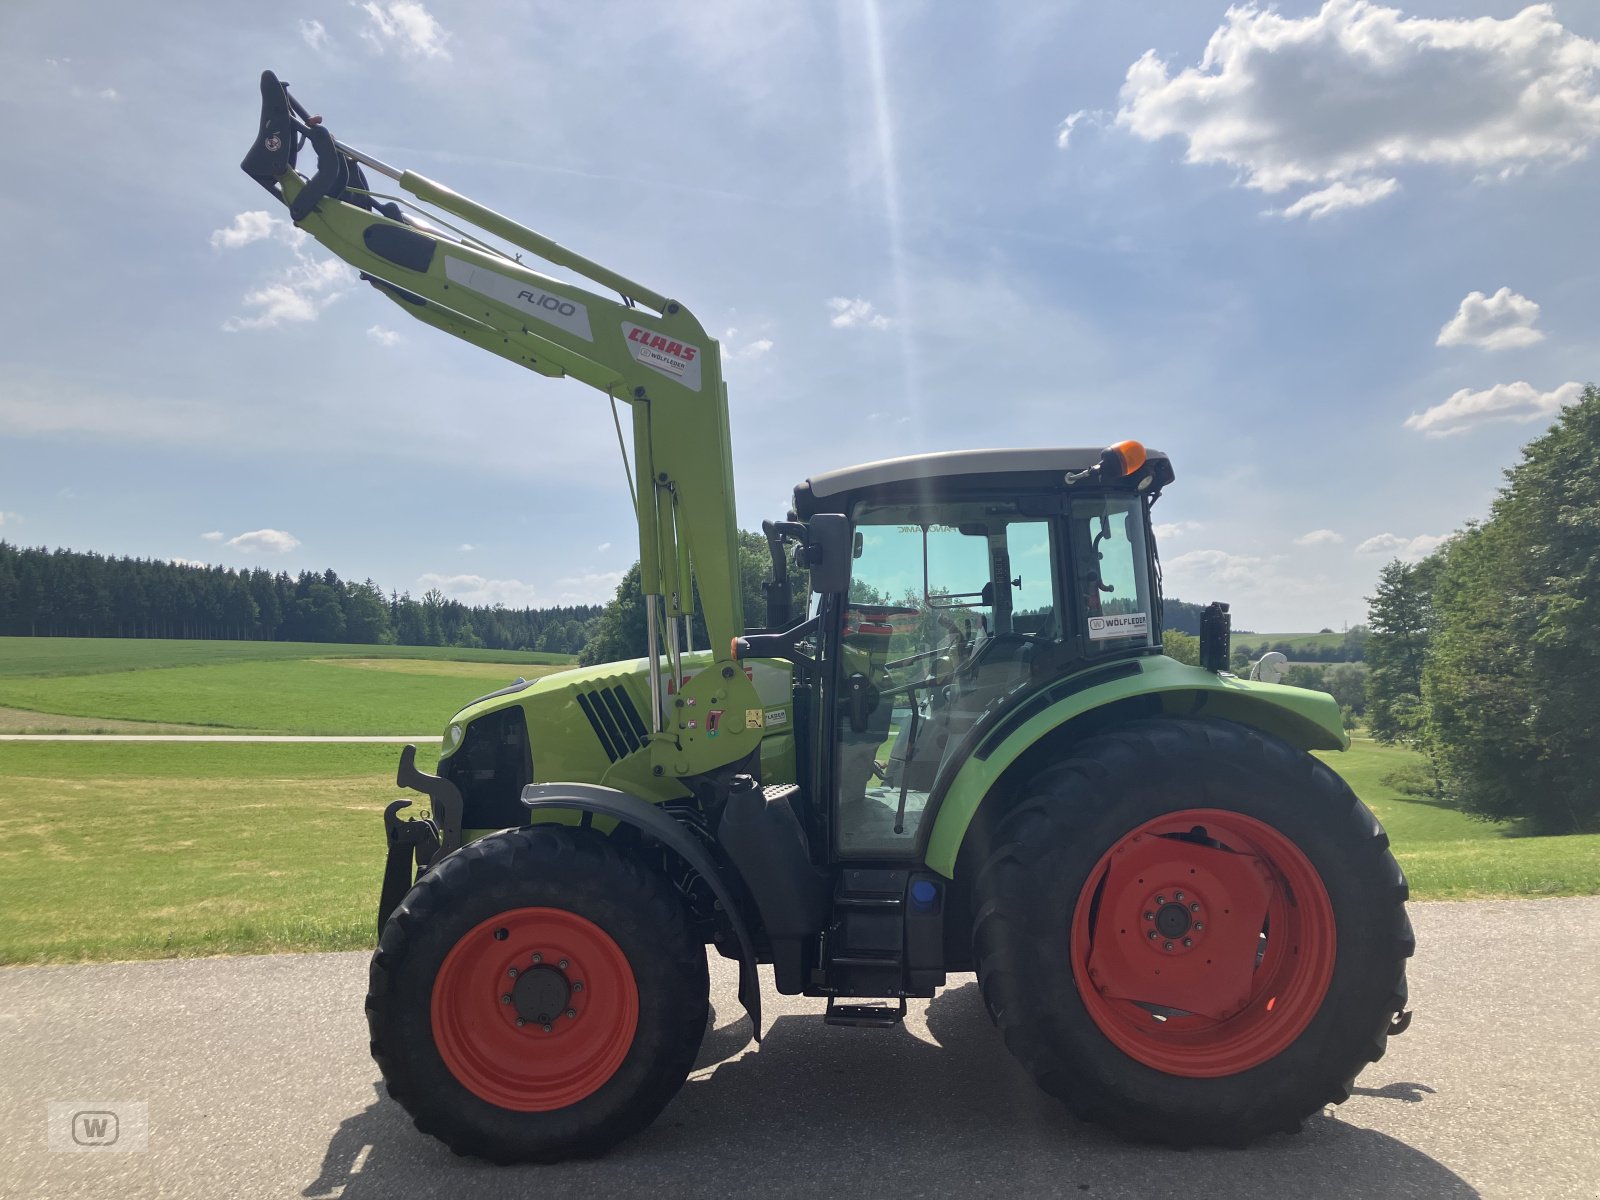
[[538, 995], [1192, 933]]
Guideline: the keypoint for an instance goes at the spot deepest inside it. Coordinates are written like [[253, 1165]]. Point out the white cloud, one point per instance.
[[600, 585], [384, 337], [314, 34], [603, 547], [1177, 529], [406, 25], [1499, 322], [1216, 567], [256, 226], [298, 293], [466, 547], [1319, 537], [1357, 194], [474, 589], [517, 593], [186, 562], [1394, 546], [215, 535], [1519, 402], [856, 313], [735, 350], [1344, 97], [1064, 130], [13, 518], [1250, 581], [267, 541]]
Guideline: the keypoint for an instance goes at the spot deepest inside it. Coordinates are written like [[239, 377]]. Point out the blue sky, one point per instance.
[[1339, 261]]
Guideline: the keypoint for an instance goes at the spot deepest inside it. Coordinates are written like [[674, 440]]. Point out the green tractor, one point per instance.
[[963, 752]]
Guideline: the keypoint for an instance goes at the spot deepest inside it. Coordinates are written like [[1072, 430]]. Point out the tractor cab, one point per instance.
[[976, 577]]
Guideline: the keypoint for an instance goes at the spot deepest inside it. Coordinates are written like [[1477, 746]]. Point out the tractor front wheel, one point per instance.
[[1192, 933], [538, 995]]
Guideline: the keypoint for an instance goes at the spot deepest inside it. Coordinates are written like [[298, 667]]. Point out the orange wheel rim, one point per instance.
[[534, 1009], [1203, 943]]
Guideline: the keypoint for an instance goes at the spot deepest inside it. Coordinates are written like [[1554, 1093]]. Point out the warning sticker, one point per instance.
[[752, 718], [1120, 626], [675, 359]]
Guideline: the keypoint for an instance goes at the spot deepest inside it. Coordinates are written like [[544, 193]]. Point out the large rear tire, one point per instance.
[[537, 996], [1192, 933]]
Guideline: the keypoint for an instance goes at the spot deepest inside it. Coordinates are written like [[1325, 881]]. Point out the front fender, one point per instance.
[[649, 819], [1303, 718]]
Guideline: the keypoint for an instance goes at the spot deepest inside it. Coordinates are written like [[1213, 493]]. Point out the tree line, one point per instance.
[[65, 593], [1485, 656]]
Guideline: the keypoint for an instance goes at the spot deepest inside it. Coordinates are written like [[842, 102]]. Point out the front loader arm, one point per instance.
[[642, 349]]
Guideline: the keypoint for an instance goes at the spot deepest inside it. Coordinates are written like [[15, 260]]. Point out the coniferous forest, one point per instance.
[[64, 593]]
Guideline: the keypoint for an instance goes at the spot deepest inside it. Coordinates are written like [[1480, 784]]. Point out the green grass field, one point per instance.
[[132, 850], [128, 850], [1256, 642], [256, 687]]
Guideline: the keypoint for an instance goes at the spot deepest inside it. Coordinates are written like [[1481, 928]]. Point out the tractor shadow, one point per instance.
[[940, 1111]]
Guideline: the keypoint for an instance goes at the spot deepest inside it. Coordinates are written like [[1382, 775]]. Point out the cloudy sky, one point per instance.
[[1338, 260]]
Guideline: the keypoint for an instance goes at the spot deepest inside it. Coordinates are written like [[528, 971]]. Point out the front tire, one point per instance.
[[538, 995], [1192, 933]]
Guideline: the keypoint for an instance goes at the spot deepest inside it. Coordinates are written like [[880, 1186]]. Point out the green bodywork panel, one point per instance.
[[1307, 719], [565, 748]]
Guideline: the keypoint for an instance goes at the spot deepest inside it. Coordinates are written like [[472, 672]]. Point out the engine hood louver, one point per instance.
[[615, 720]]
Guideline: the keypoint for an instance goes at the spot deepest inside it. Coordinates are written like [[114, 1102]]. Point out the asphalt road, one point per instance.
[[258, 1083]]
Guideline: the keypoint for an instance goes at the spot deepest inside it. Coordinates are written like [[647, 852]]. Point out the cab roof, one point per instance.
[[966, 472]]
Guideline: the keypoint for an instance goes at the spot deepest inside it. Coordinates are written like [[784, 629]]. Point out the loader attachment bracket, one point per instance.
[[285, 127]]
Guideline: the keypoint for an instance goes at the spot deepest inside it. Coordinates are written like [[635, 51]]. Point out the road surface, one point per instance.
[[258, 1084]]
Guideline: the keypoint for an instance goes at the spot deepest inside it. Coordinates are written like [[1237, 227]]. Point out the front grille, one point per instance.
[[614, 719]]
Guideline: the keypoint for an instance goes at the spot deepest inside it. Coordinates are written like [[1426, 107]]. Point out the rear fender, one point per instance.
[[651, 821], [1303, 718]]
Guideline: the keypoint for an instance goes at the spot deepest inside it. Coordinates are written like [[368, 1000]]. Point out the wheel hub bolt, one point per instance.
[[547, 1028], [562, 965], [512, 972], [1194, 906], [1154, 935], [1198, 926], [572, 1014], [1188, 941], [1168, 946], [577, 985], [1149, 916], [506, 999], [538, 958], [1178, 896], [520, 1022], [1160, 900]]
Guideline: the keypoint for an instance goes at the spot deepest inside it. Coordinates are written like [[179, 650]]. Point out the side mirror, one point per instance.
[[826, 552]]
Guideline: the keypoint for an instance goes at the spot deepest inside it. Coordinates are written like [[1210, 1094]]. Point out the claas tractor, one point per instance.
[[963, 751]]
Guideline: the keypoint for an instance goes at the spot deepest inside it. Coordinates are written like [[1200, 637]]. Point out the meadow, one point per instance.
[[1256, 643], [116, 850], [52, 685]]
